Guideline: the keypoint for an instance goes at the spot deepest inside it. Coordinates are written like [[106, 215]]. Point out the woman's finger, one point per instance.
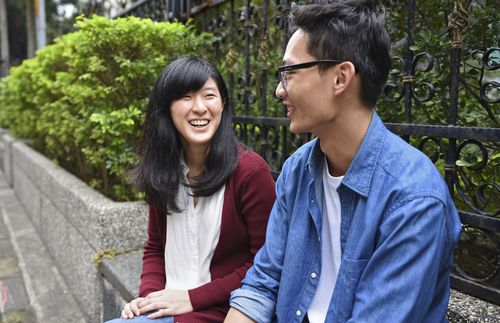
[[134, 307], [126, 315], [155, 294], [126, 312], [154, 306], [160, 313], [144, 302]]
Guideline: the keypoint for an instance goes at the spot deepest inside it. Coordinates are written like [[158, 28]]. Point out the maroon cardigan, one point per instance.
[[248, 199]]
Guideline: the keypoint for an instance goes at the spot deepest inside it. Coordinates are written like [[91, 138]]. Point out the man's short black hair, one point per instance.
[[350, 30]]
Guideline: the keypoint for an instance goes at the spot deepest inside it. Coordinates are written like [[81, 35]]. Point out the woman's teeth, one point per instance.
[[198, 123]]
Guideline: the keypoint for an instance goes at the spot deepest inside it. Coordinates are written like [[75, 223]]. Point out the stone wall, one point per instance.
[[74, 221]]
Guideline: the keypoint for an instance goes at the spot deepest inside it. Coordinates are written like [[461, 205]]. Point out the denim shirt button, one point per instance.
[[314, 275], [298, 313]]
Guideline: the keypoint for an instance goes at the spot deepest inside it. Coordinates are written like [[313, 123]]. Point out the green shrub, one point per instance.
[[82, 100]]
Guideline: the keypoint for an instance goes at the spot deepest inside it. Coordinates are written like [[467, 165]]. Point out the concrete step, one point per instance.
[[47, 291]]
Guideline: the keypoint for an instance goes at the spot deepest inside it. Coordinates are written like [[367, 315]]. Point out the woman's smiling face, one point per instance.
[[197, 114]]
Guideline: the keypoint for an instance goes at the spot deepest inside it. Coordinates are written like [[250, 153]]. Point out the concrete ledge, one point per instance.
[[7, 141], [2, 146], [74, 221], [121, 281], [103, 223], [123, 273], [465, 308]]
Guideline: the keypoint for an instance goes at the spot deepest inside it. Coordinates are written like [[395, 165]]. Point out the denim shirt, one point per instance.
[[398, 230]]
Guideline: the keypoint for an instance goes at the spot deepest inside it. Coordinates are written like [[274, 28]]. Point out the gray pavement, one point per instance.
[[31, 288], [14, 301]]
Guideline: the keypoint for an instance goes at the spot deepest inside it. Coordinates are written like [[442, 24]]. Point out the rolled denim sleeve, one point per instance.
[[253, 305], [258, 294], [403, 279]]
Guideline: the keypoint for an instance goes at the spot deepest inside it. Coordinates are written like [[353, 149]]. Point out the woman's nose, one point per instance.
[[199, 105]]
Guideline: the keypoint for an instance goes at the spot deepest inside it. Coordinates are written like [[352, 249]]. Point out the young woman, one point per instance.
[[209, 199]]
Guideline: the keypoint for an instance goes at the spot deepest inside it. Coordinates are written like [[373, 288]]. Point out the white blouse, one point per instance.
[[192, 235]]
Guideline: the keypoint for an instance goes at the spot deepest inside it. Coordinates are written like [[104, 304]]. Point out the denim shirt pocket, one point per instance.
[[347, 282]]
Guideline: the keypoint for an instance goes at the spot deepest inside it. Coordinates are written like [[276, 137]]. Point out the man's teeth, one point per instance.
[[199, 123]]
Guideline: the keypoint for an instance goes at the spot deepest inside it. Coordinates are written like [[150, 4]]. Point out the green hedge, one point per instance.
[[82, 100]]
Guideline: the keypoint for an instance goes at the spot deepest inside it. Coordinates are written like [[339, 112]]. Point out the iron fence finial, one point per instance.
[[457, 21]]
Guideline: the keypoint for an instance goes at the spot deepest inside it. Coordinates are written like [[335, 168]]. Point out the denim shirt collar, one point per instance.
[[360, 173]]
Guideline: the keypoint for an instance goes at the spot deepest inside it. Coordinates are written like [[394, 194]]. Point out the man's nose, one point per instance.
[[279, 93]]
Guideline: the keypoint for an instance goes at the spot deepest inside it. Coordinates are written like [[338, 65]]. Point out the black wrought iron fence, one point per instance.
[[443, 99]]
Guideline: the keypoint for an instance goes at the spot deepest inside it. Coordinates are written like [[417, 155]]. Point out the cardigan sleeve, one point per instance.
[[153, 261], [256, 196]]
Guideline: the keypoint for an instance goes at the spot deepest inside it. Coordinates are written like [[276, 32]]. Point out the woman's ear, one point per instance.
[[344, 74]]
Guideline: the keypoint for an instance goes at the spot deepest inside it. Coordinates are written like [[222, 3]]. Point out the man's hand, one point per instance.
[[167, 302], [235, 316]]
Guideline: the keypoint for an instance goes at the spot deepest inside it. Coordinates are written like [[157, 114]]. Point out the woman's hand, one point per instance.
[[131, 309], [167, 302]]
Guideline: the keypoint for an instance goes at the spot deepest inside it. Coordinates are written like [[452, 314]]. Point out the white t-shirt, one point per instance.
[[330, 248], [192, 236]]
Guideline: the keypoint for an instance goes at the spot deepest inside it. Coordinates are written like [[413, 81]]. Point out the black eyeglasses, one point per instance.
[[281, 73]]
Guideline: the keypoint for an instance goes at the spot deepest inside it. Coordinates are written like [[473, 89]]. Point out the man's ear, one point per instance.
[[344, 74]]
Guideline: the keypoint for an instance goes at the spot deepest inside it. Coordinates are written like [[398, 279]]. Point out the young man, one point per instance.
[[363, 228]]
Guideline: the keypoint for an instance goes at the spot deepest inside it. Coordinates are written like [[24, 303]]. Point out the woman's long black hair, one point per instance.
[[159, 171]]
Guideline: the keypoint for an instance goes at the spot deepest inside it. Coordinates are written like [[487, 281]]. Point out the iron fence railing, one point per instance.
[[251, 36]]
